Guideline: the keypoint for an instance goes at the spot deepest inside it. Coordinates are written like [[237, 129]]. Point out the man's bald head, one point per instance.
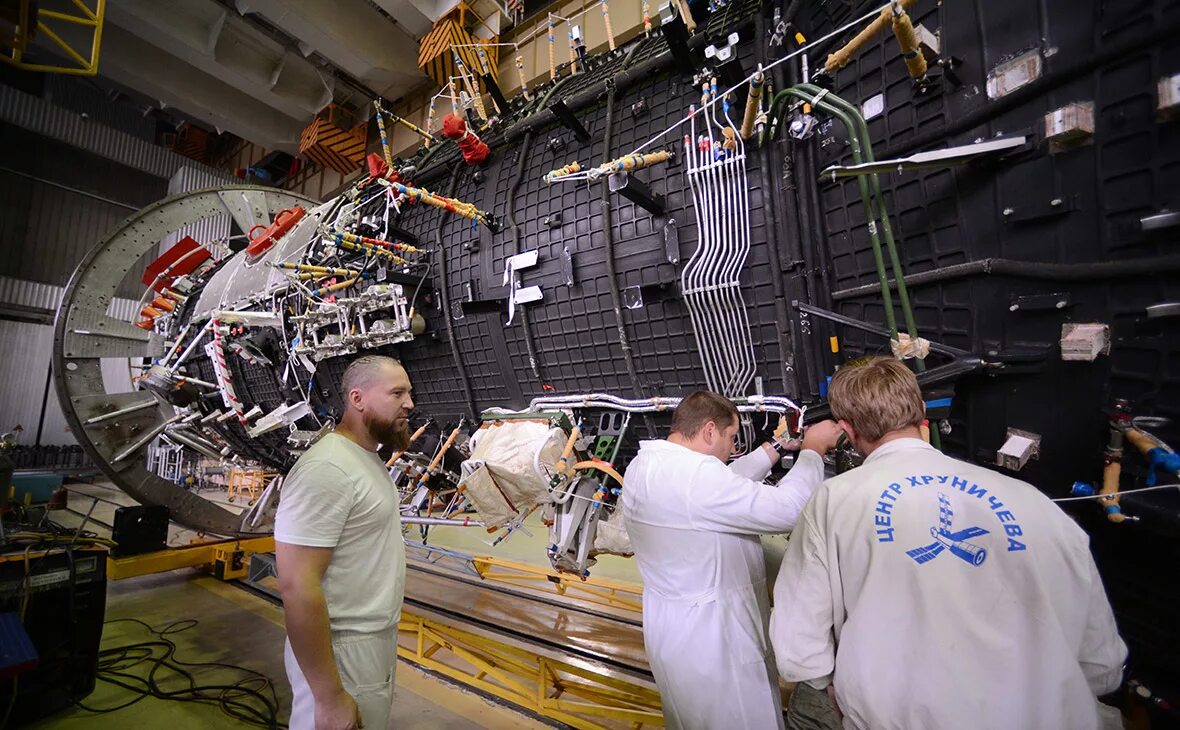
[[364, 371], [377, 399]]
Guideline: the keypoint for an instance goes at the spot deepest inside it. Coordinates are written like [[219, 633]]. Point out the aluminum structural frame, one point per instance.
[[84, 334]]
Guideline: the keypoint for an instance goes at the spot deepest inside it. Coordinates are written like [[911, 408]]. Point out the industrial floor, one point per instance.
[[238, 627]]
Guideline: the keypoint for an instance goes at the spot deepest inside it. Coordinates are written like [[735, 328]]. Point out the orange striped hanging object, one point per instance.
[[448, 37], [331, 141]]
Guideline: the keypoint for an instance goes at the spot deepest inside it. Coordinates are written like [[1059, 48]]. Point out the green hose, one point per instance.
[[874, 238], [862, 151], [903, 295]]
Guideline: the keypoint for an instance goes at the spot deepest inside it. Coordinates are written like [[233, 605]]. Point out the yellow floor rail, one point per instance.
[[575, 695], [602, 591]]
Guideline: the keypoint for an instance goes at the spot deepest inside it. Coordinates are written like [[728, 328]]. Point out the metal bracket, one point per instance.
[[1163, 309], [1039, 302], [1041, 211], [569, 121], [637, 192], [1160, 221], [671, 242], [676, 36], [633, 297], [722, 54], [948, 157], [567, 266]]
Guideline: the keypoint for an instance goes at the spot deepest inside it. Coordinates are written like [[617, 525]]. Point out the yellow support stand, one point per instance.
[[571, 694], [602, 591], [192, 556], [31, 21]]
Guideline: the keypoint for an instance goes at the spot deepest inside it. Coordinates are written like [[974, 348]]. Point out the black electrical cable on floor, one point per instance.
[[518, 178], [253, 705], [441, 253]]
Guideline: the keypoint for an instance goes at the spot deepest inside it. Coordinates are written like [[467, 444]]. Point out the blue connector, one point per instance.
[[1160, 458], [1082, 489]]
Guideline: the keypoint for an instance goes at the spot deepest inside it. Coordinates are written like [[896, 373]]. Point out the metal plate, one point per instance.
[[77, 357]]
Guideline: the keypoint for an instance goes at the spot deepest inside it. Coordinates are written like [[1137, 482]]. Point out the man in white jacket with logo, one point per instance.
[[694, 524], [933, 593]]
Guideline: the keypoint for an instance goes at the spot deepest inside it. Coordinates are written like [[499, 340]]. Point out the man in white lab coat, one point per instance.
[[694, 524], [934, 593]]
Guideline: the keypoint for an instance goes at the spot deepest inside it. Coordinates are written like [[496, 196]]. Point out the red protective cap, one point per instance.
[[181, 259], [377, 166]]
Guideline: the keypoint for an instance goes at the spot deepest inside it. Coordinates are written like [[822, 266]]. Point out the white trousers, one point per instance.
[[366, 663]]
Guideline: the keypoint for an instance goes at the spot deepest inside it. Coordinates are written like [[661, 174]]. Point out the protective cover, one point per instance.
[[612, 537], [509, 468]]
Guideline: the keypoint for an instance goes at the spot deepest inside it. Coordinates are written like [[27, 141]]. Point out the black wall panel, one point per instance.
[[950, 216], [993, 208]]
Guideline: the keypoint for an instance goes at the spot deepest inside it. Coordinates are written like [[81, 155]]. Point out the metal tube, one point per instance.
[[465, 522], [188, 351], [121, 412], [183, 440], [146, 438]]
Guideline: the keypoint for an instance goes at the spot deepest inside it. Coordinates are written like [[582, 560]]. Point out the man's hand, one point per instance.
[[832, 699], [822, 437], [337, 711]]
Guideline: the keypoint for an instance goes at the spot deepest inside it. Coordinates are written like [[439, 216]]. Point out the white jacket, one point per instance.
[[694, 524], [943, 594]]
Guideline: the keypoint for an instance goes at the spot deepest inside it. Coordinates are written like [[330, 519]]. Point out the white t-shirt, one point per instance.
[[944, 595], [339, 495]]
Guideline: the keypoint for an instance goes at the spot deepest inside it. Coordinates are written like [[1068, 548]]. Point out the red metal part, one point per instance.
[[283, 222], [181, 259]]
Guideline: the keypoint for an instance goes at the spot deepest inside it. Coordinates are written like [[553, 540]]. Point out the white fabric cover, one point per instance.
[[509, 468]]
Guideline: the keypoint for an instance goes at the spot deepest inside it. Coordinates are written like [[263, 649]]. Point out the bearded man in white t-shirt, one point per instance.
[[342, 560]]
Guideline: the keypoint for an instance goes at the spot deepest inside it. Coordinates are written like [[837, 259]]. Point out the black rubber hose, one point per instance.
[[628, 75], [530, 345], [774, 235], [444, 289], [1095, 271], [616, 298], [1033, 90]]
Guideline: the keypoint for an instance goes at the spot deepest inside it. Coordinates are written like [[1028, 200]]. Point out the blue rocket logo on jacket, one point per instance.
[[946, 539]]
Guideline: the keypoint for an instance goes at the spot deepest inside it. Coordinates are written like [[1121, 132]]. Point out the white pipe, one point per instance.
[[754, 403], [688, 283], [708, 221], [717, 204], [189, 350]]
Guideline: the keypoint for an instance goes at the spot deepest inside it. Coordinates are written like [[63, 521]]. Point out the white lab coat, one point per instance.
[[944, 594], [694, 524]]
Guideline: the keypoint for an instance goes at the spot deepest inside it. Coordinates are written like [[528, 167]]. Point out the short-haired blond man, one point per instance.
[[694, 522], [926, 592]]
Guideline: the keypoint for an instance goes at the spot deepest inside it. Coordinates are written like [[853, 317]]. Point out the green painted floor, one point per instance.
[[241, 628]]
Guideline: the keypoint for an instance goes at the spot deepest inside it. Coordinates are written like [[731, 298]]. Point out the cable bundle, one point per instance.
[[253, 705]]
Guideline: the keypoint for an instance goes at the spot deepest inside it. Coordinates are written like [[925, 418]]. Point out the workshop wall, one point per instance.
[[1065, 208]]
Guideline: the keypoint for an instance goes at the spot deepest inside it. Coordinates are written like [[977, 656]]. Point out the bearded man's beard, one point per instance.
[[393, 434]]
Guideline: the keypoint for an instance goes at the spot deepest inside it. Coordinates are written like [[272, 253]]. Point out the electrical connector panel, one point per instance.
[[1084, 342], [1019, 446], [1070, 125], [1168, 97], [1011, 75]]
